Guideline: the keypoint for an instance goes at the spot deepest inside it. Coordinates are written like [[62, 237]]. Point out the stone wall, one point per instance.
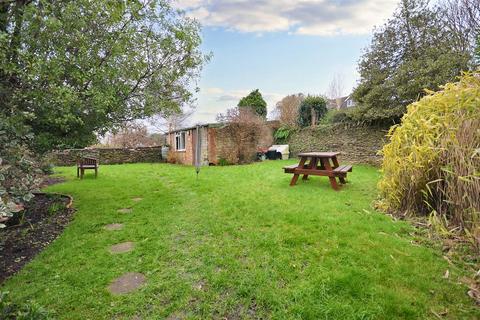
[[69, 157], [357, 144]]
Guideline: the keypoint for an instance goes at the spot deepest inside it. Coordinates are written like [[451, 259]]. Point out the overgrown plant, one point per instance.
[[281, 134], [431, 165], [25, 311], [19, 172], [244, 128]]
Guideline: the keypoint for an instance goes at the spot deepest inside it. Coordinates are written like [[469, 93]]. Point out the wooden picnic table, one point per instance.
[[319, 164]]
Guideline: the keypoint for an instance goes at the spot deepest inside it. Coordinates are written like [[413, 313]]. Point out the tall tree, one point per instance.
[[71, 69], [312, 109], [336, 89], [287, 110], [414, 50], [131, 135], [462, 18], [255, 102]]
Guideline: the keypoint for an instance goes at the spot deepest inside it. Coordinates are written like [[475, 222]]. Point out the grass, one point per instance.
[[238, 242]]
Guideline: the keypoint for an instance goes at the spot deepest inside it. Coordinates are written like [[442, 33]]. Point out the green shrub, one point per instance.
[[318, 104], [281, 134], [223, 162], [19, 170], [26, 311], [339, 116], [431, 165]]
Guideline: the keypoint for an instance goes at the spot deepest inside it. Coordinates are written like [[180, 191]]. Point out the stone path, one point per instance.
[[125, 210], [113, 226], [127, 283], [122, 247]]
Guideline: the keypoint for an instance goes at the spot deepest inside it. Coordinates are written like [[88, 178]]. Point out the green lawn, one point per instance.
[[238, 242]]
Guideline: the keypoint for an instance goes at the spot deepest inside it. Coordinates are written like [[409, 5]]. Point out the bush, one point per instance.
[[26, 311], [315, 103], [337, 116], [19, 171], [431, 165], [223, 162], [244, 129], [281, 134]]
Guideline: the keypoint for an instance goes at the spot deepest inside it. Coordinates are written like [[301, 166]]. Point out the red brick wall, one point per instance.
[[182, 157]]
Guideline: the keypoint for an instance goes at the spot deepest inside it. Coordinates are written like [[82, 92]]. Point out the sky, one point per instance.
[[280, 47]]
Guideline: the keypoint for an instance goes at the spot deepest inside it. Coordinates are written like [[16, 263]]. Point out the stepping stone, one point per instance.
[[122, 247], [127, 283], [113, 226], [125, 210], [137, 199]]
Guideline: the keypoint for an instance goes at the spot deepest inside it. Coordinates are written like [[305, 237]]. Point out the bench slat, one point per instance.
[[343, 169]]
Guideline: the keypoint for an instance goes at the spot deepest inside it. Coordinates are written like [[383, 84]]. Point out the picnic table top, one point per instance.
[[319, 154]]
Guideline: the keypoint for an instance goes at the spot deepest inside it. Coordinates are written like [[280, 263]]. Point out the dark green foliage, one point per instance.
[[70, 70], [414, 50], [281, 134], [19, 169], [254, 101], [477, 52], [223, 162], [315, 103], [26, 311]]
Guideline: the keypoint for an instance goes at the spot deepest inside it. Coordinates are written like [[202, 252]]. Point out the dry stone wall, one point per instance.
[[69, 157], [357, 144]]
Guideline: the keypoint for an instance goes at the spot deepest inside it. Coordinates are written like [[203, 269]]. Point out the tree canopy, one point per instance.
[[255, 102], [72, 69], [414, 50]]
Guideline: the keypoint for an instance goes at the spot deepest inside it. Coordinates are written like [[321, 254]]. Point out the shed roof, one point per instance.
[[208, 125]]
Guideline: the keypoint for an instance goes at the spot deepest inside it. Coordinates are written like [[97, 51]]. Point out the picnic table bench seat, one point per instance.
[[290, 168], [343, 169]]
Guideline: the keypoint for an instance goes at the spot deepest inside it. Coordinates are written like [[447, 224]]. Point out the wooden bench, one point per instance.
[[86, 163]]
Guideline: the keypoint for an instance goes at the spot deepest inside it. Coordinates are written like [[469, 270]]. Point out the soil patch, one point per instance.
[[44, 218], [137, 199], [128, 282], [122, 247], [48, 181], [125, 210]]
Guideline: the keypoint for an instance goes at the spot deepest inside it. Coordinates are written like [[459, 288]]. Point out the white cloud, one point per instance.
[[308, 17], [218, 100], [214, 90]]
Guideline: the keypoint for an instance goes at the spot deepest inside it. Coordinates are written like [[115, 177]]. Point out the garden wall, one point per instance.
[[108, 155], [357, 144]]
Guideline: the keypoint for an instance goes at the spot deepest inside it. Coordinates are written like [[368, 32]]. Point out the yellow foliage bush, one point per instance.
[[431, 164]]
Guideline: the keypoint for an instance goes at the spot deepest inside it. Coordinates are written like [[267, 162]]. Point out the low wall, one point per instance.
[[357, 144], [69, 157]]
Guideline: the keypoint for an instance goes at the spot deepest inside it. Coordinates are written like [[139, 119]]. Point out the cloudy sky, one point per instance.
[[279, 46]]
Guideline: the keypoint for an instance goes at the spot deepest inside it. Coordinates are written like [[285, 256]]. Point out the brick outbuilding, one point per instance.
[[215, 142]]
